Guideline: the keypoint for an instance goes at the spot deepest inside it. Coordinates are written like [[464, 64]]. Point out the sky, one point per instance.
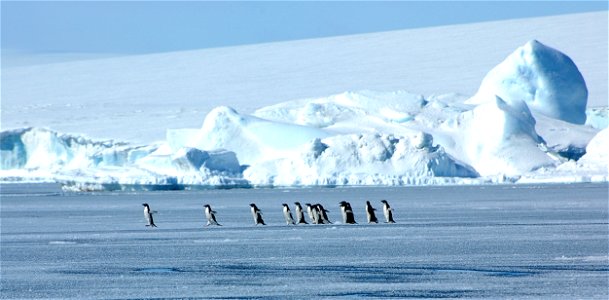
[[138, 27]]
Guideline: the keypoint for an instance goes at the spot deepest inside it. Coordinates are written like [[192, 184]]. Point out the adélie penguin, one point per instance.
[[370, 213], [148, 214], [388, 211], [211, 216], [347, 212], [312, 212], [257, 214], [287, 214], [300, 219], [323, 214]]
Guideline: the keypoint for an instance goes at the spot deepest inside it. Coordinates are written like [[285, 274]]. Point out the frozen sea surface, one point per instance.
[[524, 241]]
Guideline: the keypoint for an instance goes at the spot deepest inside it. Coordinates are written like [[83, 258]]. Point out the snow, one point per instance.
[[254, 138], [505, 241], [591, 167], [597, 117], [528, 122], [596, 151], [545, 78]]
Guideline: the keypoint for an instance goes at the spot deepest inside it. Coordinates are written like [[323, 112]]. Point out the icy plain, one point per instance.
[[494, 242]]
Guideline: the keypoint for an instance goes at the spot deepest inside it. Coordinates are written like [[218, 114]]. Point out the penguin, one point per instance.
[[370, 213], [388, 211], [210, 215], [343, 210], [287, 214], [323, 214], [148, 214], [300, 219], [257, 214], [347, 212], [313, 215]]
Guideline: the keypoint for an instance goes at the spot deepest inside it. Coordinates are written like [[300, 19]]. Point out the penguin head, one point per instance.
[[384, 201], [284, 205], [297, 203], [145, 204], [253, 205]]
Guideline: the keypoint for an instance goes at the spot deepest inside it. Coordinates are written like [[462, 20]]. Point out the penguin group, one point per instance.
[[316, 212]]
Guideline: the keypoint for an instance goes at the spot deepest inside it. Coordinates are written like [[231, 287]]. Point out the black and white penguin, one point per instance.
[[323, 214], [257, 214], [388, 211], [148, 214], [313, 214], [211, 216], [300, 219], [347, 212], [370, 213], [287, 214]]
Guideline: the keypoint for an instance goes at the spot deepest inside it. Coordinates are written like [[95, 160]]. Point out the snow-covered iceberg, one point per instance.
[[44, 149], [40, 154], [545, 78], [361, 159], [526, 123], [498, 138]]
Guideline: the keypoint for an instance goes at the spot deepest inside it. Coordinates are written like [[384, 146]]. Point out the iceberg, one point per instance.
[[545, 78], [361, 159], [527, 123], [498, 138], [252, 138]]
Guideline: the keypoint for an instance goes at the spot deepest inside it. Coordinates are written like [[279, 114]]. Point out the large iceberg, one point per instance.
[[525, 124], [545, 78]]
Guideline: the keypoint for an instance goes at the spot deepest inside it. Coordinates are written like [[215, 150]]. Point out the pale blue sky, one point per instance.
[[149, 27]]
